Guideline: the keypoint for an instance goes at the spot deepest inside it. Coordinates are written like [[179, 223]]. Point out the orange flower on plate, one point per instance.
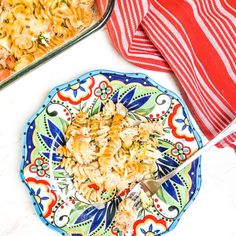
[[179, 124], [78, 92], [149, 226]]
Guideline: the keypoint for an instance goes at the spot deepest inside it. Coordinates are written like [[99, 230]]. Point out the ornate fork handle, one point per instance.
[[152, 185]]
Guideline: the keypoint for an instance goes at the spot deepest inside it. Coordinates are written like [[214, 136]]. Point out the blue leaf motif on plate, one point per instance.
[[165, 165], [143, 231], [87, 214], [55, 157], [180, 120], [97, 220], [170, 189], [162, 149], [111, 209], [48, 141], [156, 232], [168, 161], [52, 149], [138, 103], [98, 215], [128, 97], [115, 97], [38, 191], [150, 227], [56, 133], [177, 180], [53, 142], [75, 92]]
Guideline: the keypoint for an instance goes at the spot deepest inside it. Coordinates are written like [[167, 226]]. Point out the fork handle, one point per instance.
[[231, 128]]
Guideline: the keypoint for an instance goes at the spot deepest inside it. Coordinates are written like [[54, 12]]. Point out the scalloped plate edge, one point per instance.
[[133, 75]]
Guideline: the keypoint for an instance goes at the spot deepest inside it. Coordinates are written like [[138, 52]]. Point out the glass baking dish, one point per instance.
[[85, 33]]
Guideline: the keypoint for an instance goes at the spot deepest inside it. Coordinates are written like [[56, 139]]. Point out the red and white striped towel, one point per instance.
[[196, 39]]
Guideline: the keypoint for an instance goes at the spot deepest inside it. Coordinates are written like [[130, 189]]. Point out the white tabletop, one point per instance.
[[213, 213]]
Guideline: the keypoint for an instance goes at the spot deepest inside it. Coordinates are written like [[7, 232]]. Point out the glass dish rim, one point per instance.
[[95, 27]]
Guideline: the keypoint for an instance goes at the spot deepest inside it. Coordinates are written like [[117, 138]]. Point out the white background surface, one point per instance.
[[213, 213]]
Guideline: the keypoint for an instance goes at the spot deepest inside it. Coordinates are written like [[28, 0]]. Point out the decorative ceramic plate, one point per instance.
[[56, 201]]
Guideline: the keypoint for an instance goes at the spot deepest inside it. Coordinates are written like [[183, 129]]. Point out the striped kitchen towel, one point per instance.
[[195, 39]]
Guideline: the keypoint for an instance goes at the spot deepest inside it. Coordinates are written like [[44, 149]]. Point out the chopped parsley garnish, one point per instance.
[[42, 40]]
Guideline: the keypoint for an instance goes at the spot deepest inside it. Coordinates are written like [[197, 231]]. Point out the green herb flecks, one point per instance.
[[42, 40]]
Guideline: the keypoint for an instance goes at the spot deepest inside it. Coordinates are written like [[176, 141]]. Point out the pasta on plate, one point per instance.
[[109, 152], [128, 210], [29, 29]]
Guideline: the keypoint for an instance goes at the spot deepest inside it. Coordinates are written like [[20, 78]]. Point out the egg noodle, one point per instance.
[[109, 151], [29, 29]]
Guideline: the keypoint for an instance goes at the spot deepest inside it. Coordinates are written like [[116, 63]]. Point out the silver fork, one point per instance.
[[151, 186]]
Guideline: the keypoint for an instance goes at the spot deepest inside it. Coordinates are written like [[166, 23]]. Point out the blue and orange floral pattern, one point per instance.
[[179, 124], [43, 194], [103, 90], [56, 200], [40, 167], [77, 93], [149, 226]]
